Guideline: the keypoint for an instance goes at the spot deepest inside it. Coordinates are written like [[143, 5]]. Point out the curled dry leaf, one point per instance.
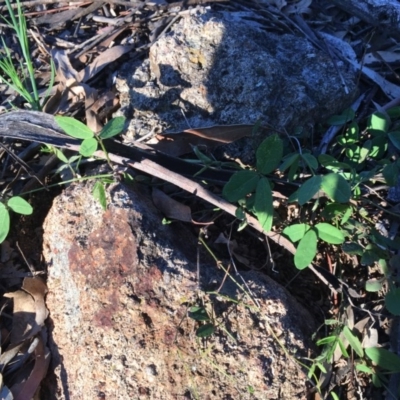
[[170, 207], [177, 144], [30, 311]]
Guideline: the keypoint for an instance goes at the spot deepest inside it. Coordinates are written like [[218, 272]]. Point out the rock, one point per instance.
[[221, 68], [120, 287]]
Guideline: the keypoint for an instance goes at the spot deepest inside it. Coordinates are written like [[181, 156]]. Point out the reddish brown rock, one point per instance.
[[120, 285]]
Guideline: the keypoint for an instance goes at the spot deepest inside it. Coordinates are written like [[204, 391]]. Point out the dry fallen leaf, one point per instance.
[[26, 388], [102, 60], [177, 144], [170, 207], [223, 133], [29, 312]]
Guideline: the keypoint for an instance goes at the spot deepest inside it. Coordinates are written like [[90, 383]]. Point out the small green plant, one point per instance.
[[21, 79], [89, 145], [16, 204], [376, 362], [252, 188]]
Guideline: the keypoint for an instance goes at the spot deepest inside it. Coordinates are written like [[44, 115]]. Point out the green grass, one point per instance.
[[22, 78]]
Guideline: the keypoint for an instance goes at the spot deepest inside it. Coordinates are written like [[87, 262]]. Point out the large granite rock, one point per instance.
[[227, 68], [120, 286]]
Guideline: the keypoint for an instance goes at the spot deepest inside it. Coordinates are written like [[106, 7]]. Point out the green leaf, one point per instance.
[[73, 127], [394, 112], [334, 396], [354, 249], [326, 340], [328, 233], [364, 368], [88, 147], [240, 185], [350, 136], [205, 330], [391, 174], [343, 348], [346, 116], [263, 207], [354, 341], [4, 222], [331, 163], [374, 285], [112, 128], [378, 123], [310, 160], [296, 231], [308, 189], [198, 314], [384, 358], [334, 210], [240, 213], [288, 161], [269, 154], [293, 169], [336, 187], [395, 138], [20, 205], [370, 256], [60, 155], [306, 250], [392, 301], [99, 193], [379, 146]]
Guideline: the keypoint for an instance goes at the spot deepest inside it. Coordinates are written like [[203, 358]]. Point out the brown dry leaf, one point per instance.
[[102, 60], [70, 91], [30, 311], [178, 144], [181, 143], [223, 133], [37, 289], [8, 354], [170, 207], [65, 70], [173, 209], [26, 389]]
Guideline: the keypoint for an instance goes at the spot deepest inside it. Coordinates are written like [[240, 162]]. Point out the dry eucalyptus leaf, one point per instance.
[[223, 133], [30, 310], [8, 354], [102, 60], [170, 207]]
